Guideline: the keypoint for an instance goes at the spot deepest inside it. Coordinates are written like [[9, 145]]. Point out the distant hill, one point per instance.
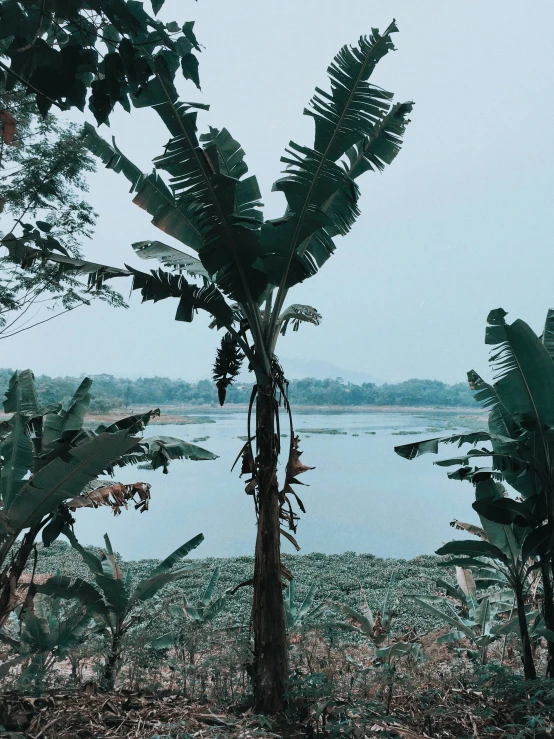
[[111, 393]]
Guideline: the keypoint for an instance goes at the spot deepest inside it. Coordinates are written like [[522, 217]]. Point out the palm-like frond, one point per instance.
[[220, 206], [524, 369], [354, 117], [431, 446], [17, 454], [26, 256], [152, 194], [547, 337], [160, 285], [296, 314], [158, 451], [169, 256], [21, 395], [59, 480]]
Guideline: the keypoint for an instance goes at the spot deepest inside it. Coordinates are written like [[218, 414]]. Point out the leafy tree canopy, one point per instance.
[[101, 51], [44, 211]]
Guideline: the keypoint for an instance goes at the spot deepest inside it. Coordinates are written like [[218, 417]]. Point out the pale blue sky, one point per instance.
[[459, 224]]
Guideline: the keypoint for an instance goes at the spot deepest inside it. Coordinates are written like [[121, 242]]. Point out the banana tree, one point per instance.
[[520, 433], [512, 556], [50, 465], [112, 599], [511, 550], [246, 267]]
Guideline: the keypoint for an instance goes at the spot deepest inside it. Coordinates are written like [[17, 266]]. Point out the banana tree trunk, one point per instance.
[[526, 653], [271, 665], [112, 661], [548, 609]]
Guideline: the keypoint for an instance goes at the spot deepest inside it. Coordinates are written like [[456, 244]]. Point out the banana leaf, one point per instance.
[[61, 479], [473, 548], [178, 554], [21, 395], [62, 586], [524, 370]]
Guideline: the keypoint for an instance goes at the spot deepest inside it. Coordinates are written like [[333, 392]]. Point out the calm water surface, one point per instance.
[[361, 497]]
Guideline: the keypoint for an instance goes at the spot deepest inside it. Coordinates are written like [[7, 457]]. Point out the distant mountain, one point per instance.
[[319, 369]]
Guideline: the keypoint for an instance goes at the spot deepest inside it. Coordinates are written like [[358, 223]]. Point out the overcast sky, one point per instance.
[[461, 222]]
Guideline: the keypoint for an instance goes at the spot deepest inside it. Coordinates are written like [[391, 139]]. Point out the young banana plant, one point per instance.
[[205, 609], [248, 265], [50, 464], [113, 599], [298, 615], [479, 617], [375, 627], [45, 638], [203, 612], [520, 440]]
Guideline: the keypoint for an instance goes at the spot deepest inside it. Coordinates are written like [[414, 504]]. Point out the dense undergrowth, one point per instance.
[[346, 578], [197, 684]]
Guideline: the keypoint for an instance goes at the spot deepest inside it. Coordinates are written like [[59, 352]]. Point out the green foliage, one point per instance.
[[213, 209], [375, 627], [113, 53], [517, 535], [46, 636], [111, 392], [113, 599], [49, 464], [481, 616], [43, 186], [299, 615]]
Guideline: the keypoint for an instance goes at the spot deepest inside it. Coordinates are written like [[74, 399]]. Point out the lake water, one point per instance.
[[361, 497]]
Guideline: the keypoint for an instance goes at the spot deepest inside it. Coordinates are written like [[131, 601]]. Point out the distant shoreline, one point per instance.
[[177, 415]]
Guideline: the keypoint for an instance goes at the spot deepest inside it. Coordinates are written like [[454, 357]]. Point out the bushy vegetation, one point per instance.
[[115, 393], [343, 679], [455, 645]]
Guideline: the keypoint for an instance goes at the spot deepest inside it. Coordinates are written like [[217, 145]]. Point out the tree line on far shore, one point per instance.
[[112, 393]]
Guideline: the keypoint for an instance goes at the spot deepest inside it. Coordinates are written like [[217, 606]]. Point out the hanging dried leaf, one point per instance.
[[291, 539], [470, 528], [295, 466]]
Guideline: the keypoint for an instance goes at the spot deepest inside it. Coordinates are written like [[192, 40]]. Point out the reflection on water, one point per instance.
[[361, 497]]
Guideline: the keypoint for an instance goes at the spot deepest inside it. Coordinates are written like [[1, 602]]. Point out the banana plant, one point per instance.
[[375, 627], [478, 617], [45, 638], [113, 599], [204, 612], [205, 609], [246, 267], [50, 465], [520, 440], [298, 615]]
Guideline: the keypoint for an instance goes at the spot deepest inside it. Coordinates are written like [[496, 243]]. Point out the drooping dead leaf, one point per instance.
[[295, 466], [8, 125], [470, 528], [291, 539], [115, 496], [465, 580]]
